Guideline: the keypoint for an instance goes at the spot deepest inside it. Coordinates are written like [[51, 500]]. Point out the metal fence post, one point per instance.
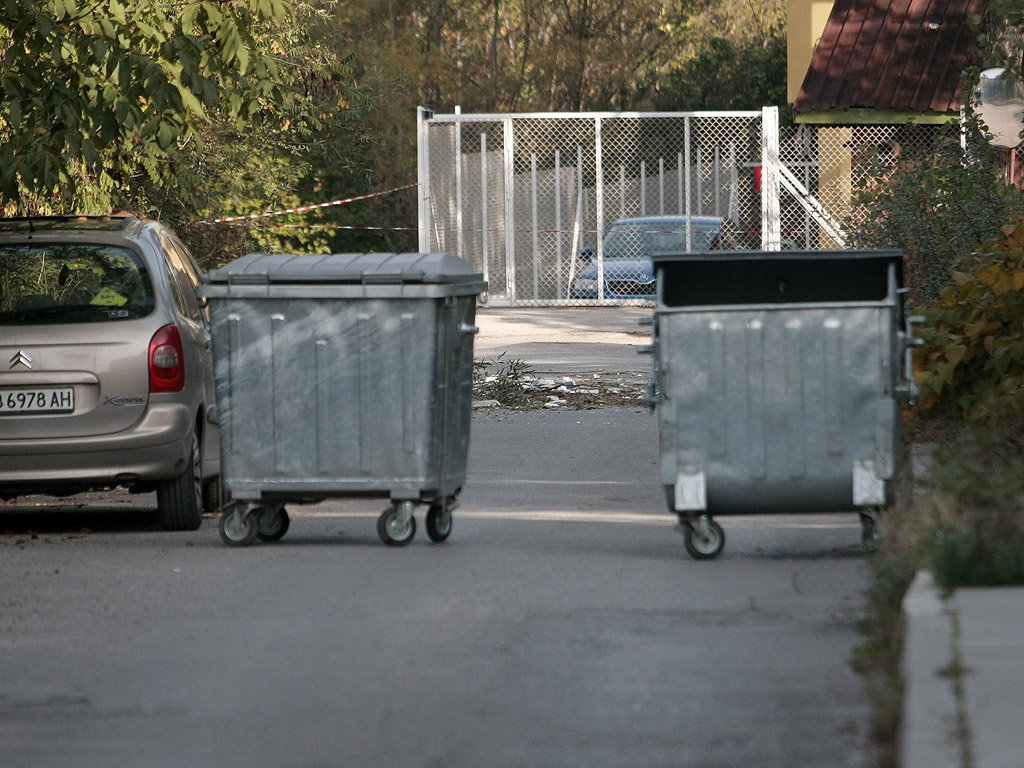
[[679, 181], [661, 186], [577, 226], [423, 176], [510, 209], [686, 203], [533, 226], [558, 223], [643, 187], [771, 225], [734, 184], [459, 229], [599, 204], [485, 235], [700, 181]]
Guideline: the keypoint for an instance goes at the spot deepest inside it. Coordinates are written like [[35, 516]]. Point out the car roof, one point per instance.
[[666, 222], [126, 224]]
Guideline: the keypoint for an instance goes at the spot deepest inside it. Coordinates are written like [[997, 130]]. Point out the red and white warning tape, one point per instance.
[[341, 226], [304, 208]]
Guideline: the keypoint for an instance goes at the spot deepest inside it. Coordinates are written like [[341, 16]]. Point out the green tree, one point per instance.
[[92, 94], [731, 55], [529, 55]]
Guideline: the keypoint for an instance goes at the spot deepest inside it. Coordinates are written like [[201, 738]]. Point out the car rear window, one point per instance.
[[72, 283]]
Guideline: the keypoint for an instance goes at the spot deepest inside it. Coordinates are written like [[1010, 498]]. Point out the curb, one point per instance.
[[931, 724]]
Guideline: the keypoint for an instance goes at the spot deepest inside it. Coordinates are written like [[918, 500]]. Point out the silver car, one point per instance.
[[106, 375]]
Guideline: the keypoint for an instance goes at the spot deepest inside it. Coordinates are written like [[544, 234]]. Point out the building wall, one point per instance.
[[805, 22]]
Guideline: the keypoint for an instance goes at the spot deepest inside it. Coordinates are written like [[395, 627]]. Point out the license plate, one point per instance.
[[37, 400]]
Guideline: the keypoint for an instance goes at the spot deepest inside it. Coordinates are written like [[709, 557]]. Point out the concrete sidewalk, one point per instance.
[[565, 341], [963, 667]]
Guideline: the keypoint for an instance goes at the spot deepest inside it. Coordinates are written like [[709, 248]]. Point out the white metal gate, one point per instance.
[[520, 197]]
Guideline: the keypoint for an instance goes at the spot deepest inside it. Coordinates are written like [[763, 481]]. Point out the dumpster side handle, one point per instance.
[[652, 392], [908, 387]]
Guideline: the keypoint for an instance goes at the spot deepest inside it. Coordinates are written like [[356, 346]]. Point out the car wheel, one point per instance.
[[179, 501]]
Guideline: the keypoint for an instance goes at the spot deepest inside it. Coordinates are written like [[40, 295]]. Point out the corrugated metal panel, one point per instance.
[[777, 408], [895, 55]]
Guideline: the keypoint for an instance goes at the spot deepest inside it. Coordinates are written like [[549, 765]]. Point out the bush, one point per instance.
[[935, 207], [972, 363]]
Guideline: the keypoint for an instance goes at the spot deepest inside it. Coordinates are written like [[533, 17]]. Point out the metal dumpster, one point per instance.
[[778, 379], [342, 375]]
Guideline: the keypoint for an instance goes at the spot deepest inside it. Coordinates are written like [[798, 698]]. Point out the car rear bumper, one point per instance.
[[156, 448]]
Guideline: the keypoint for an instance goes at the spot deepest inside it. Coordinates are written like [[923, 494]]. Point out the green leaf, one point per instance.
[[242, 55], [189, 102], [165, 135], [188, 17], [213, 14], [117, 10]]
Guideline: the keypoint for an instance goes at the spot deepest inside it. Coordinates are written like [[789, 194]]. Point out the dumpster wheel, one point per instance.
[[439, 522], [703, 539], [396, 526], [272, 523], [871, 529], [238, 528]]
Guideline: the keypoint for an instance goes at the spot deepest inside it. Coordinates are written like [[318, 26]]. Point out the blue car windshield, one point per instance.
[[643, 243]]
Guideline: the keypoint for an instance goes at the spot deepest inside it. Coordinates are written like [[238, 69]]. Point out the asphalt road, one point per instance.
[[562, 624]]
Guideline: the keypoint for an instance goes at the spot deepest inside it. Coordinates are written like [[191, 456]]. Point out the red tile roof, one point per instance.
[[902, 55]]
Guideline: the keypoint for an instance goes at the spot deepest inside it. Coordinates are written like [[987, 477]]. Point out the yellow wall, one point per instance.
[[805, 21], [835, 174]]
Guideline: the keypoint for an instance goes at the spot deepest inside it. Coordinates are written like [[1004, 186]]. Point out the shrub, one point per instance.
[[972, 363], [935, 206]]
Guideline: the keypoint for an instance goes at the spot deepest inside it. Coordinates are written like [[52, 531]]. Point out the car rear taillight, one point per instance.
[[166, 361]]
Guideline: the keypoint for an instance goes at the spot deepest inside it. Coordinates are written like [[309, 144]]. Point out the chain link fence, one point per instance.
[[526, 198], [539, 203], [834, 163]]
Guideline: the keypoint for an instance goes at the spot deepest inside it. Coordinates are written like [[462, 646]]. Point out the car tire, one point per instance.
[[179, 501], [214, 497]]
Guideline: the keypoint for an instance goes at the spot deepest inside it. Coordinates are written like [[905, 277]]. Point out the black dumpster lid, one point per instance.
[[713, 278], [888, 255], [384, 268]]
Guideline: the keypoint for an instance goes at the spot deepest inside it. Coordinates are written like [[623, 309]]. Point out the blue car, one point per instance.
[[628, 249]]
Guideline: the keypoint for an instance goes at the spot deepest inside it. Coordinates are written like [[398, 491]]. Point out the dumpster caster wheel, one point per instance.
[[238, 529], [395, 527], [870, 531], [272, 523], [704, 539], [439, 523]]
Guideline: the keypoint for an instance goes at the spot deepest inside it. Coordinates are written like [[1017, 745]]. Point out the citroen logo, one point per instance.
[[22, 359]]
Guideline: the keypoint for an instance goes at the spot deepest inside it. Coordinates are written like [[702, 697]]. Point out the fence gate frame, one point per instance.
[[443, 188]]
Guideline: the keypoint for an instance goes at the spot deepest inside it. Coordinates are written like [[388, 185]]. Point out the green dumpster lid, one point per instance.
[[382, 268]]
